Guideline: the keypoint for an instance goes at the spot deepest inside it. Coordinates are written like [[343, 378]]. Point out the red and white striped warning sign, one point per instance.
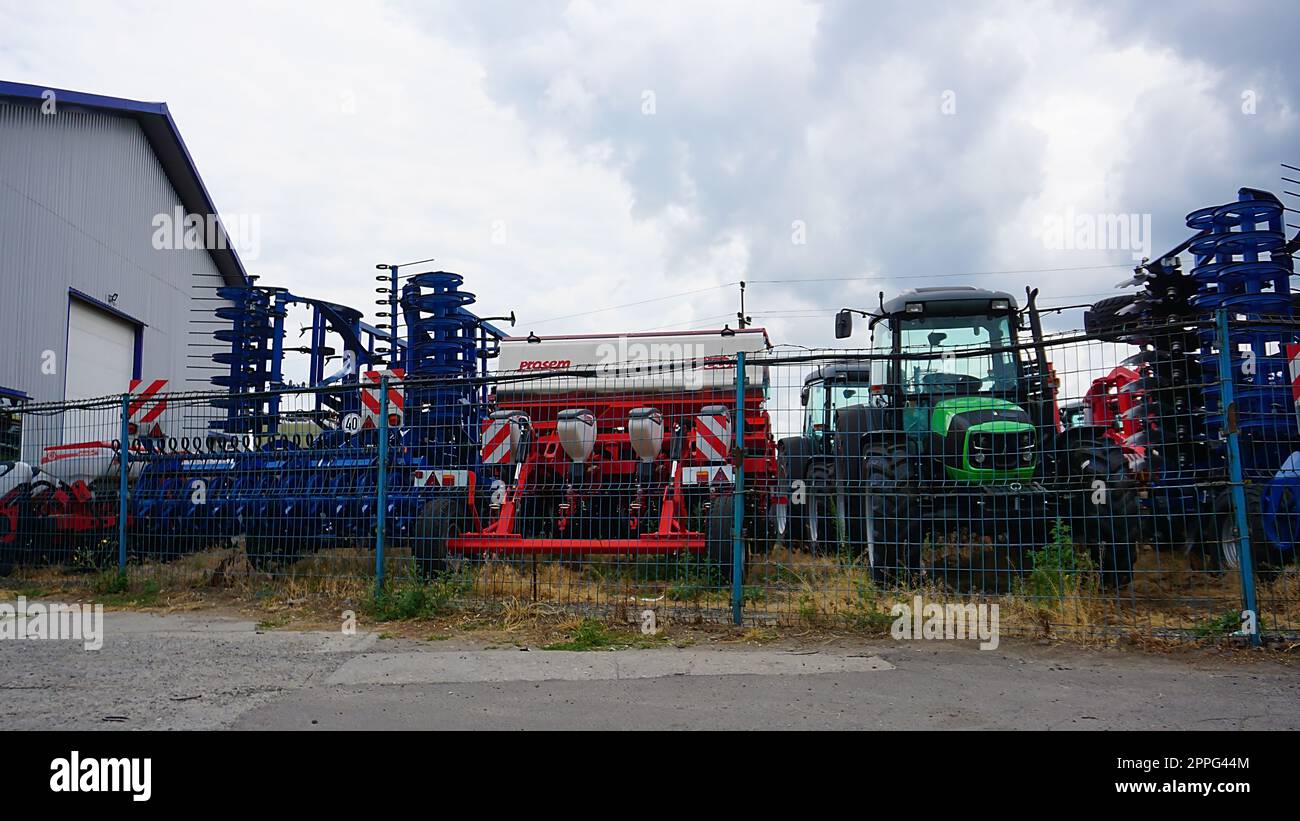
[[144, 410], [713, 434], [500, 437], [370, 399]]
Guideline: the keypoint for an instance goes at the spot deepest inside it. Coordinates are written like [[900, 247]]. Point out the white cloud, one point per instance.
[[368, 133]]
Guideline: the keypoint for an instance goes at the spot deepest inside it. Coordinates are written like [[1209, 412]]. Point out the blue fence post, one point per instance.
[[1235, 478], [381, 485], [738, 498], [124, 459]]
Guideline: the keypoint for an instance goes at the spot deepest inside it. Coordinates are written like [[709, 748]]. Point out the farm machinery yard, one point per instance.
[[1146, 470]]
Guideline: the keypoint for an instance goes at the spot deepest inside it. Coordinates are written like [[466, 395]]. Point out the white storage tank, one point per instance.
[[645, 427], [577, 431]]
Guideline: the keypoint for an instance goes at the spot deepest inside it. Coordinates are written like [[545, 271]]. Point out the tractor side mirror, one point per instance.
[[843, 325]]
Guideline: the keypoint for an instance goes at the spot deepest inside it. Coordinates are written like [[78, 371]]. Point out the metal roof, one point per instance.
[[944, 294], [164, 138]]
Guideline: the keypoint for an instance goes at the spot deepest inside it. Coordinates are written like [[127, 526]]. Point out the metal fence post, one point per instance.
[[1235, 478], [738, 499], [123, 458], [381, 485]]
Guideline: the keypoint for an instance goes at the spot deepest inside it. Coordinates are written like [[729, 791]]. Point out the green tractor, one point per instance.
[[946, 439]]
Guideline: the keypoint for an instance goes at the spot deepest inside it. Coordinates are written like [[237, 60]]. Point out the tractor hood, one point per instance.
[[963, 412], [984, 439]]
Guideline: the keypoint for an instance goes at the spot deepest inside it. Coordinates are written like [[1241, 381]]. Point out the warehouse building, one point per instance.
[[100, 285]]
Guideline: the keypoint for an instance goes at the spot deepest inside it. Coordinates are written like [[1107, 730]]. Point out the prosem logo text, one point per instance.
[[54, 622], [946, 621], [129, 775]]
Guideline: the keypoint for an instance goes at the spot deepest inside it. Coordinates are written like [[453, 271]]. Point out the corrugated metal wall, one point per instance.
[[78, 195]]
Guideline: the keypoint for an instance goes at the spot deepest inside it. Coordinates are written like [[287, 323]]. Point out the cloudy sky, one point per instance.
[[573, 157]]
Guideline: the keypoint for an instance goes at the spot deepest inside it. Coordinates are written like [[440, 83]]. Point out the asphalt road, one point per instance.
[[199, 671]]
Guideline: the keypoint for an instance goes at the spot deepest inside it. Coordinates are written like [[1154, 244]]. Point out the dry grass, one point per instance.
[[786, 591]]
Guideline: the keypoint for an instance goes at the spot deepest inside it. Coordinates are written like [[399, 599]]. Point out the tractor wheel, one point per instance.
[[781, 525], [1101, 507], [1266, 558], [1104, 321], [719, 544], [269, 550], [819, 528], [441, 519], [759, 532], [793, 454], [880, 516], [8, 544], [819, 523], [37, 534]]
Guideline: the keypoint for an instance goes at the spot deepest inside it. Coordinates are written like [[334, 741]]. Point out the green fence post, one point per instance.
[[381, 486], [738, 498], [124, 459], [1235, 477]]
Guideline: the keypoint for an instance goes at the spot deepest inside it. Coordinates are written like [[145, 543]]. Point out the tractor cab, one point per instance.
[[946, 372], [828, 389]]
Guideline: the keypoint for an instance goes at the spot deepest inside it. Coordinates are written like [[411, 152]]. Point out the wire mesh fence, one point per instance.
[[1142, 480]]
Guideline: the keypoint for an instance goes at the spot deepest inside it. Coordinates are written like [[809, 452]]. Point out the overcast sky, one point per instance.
[[566, 157]]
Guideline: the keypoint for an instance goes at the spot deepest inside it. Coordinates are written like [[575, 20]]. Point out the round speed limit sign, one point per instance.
[[352, 423]]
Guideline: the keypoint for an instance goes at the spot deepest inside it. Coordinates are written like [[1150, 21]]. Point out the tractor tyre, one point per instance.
[[882, 512], [8, 544], [819, 521], [719, 542], [793, 455], [1104, 321], [1226, 555], [440, 520], [268, 549], [1096, 498]]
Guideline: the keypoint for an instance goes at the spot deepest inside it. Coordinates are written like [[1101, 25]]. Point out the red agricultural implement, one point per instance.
[[609, 444]]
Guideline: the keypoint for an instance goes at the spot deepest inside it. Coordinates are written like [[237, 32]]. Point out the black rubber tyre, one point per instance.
[[759, 531], [879, 516], [8, 547], [793, 454], [1103, 321], [1266, 558], [820, 524], [718, 541], [441, 519], [268, 549], [1097, 499]]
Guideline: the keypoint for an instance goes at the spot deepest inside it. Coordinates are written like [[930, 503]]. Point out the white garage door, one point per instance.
[[101, 362]]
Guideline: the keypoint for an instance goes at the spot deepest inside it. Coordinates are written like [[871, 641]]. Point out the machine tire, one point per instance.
[[718, 541], [268, 551], [793, 454], [896, 554], [1265, 556], [440, 520], [819, 523], [1102, 320], [1112, 527], [8, 546]]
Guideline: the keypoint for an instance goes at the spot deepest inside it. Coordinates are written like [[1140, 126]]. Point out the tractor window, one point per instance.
[[819, 417], [937, 335]]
